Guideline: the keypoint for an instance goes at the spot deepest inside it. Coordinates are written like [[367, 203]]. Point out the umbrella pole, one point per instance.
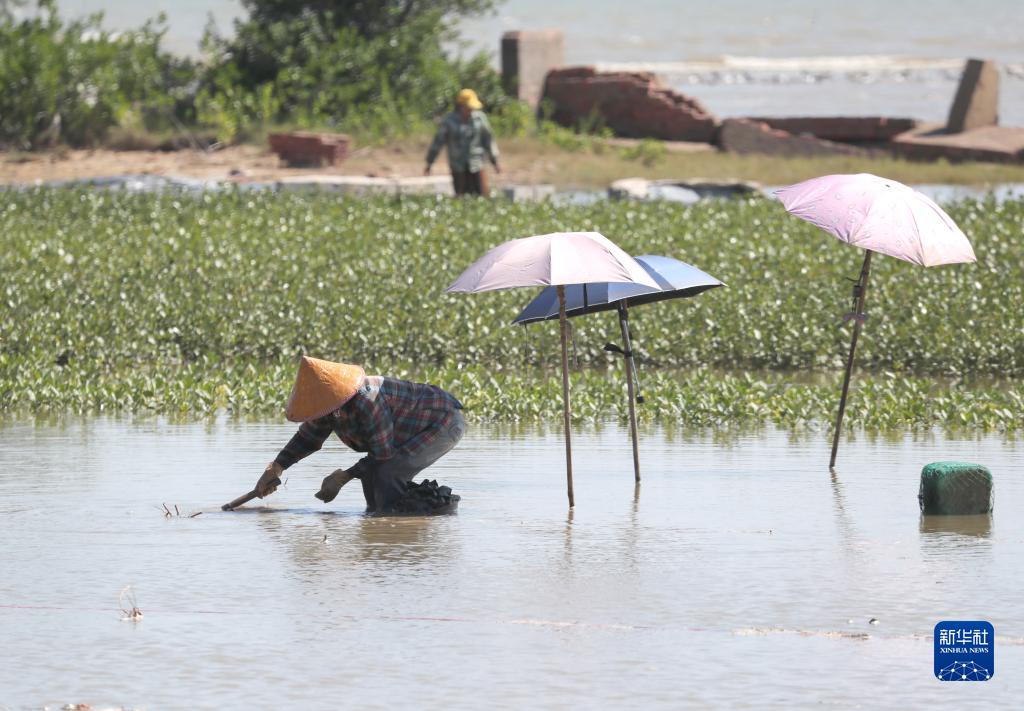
[[628, 346], [566, 405], [862, 288]]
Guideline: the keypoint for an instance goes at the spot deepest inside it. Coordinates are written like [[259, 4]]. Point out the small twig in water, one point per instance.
[[129, 606], [177, 513]]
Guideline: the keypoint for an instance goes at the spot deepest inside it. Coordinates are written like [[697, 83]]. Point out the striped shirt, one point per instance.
[[385, 418]]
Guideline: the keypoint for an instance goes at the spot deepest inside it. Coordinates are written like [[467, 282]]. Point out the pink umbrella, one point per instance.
[[882, 216], [558, 259]]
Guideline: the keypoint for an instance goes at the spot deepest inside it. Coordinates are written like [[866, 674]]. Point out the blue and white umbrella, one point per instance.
[[675, 279]]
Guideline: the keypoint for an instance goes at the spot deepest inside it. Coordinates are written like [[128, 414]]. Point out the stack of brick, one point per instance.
[[631, 104], [310, 149]]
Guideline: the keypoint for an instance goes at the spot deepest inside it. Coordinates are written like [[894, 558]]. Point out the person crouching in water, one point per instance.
[[403, 427], [467, 135]]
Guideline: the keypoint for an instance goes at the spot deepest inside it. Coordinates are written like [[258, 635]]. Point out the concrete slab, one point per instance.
[[528, 193], [746, 137], [424, 185], [844, 129], [992, 144], [681, 190], [360, 185]]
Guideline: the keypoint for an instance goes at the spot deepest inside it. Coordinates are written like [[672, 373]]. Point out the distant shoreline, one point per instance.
[[525, 161]]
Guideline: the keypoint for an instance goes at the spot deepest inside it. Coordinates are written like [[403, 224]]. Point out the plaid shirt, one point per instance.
[[398, 420], [468, 142]]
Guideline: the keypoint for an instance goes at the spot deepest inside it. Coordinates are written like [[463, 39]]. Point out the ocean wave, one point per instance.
[[812, 69]]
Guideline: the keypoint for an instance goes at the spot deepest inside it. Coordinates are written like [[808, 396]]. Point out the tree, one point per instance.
[[73, 81], [7, 8], [339, 62], [370, 18]]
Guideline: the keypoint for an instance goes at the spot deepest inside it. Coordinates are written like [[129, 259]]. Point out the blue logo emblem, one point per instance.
[[964, 651]]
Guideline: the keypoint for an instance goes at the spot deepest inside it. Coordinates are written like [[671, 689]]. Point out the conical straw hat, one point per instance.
[[322, 387]]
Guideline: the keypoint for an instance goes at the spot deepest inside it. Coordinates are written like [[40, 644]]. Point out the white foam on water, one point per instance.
[[834, 65]]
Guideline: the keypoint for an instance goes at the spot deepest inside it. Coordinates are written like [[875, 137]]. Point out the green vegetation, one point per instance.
[[177, 303], [647, 151], [378, 69], [73, 81], [372, 68]]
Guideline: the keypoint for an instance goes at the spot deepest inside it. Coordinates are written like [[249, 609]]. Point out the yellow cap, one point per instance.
[[321, 387], [468, 97]]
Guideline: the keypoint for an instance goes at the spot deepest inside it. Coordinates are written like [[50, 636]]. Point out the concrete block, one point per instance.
[[528, 193], [526, 58], [977, 98]]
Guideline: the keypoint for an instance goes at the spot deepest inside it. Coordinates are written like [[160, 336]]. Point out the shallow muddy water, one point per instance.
[[741, 575]]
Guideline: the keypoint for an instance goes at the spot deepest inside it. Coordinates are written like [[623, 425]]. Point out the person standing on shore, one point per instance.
[[468, 137]]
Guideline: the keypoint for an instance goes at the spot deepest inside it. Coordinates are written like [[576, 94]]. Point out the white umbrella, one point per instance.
[[878, 215], [558, 259]]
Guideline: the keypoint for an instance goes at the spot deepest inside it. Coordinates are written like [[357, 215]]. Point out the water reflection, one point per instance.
[[567, 562], [327, 538], [956, 527], [966, 538]]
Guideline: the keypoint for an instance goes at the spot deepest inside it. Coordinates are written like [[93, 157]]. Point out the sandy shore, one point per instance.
[[524, 161], [233, 163]]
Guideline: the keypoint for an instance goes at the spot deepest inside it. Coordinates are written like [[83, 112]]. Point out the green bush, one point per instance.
[[647, 151], [513, 119], [377, 69], [73, 81], [352, 66]]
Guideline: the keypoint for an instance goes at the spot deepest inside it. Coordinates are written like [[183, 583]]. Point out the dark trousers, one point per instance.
[[466, 183], [384, 482]]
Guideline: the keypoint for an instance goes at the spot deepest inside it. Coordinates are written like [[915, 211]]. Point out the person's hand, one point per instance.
[[332, 484], [426, 170], [270, 480]]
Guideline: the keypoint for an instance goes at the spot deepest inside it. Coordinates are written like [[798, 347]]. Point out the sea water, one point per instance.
[[739, 58], [741, 573]]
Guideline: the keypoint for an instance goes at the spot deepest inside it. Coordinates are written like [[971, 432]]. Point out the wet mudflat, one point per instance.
[[742, 574]]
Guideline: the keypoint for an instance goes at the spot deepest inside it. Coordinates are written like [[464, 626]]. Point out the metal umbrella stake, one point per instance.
[[878, 215], [675, 279], [558, 260]]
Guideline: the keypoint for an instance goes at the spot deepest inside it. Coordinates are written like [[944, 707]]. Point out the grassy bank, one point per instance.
[[527, 159], [598, 163], [171, 304]]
